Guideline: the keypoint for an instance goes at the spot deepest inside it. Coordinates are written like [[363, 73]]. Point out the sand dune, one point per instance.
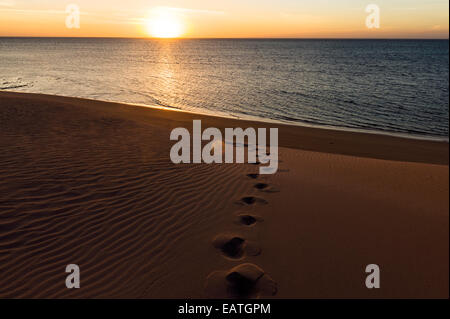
[[91, 183]]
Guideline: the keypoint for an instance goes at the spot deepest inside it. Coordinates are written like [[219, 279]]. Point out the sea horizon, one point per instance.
[[225, 38]]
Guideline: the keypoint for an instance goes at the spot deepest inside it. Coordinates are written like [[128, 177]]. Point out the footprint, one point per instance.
[[251, 200], [235, 247], [261, 186], [254, 176], [266, 188], [247, 220], [243, 281], [232, 248]]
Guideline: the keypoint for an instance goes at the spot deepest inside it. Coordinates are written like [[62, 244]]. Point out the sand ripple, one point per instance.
[[98, 191]]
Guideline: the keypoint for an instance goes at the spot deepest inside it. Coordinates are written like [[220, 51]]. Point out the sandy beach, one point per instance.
[[91, 183]]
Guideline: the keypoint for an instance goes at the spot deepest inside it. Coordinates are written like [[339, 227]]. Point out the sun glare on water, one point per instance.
[[164, 24]]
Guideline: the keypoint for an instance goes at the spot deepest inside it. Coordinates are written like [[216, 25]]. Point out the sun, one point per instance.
[[164, 24]]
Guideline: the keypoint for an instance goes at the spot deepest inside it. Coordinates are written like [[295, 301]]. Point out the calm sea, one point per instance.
[[399, 86]]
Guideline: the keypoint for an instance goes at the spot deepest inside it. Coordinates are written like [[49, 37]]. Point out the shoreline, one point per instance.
[[378, 144], [404, 135], [408, 136]]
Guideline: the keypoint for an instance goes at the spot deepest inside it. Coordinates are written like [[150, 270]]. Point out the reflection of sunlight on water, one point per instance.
[[166, 68]]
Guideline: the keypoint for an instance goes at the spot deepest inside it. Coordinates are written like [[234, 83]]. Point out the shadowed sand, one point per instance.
[[91, 183]]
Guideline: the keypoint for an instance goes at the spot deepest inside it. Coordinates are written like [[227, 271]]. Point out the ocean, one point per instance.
[[389, 86]]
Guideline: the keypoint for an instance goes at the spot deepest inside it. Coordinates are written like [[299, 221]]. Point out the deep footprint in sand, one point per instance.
[[243, 281], [266, 188], [261, 186], [252, 200], [235, 247], [247, 220]]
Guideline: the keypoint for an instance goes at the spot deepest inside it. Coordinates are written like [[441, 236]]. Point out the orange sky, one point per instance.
[[251, 18]]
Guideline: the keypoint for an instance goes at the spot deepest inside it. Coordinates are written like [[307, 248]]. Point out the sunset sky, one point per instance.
[[231, 18]]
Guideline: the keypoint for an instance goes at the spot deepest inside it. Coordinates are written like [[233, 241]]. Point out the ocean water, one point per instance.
[[397, 86]]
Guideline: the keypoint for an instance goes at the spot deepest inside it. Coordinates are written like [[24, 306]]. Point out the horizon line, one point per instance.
[[225, 38]]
